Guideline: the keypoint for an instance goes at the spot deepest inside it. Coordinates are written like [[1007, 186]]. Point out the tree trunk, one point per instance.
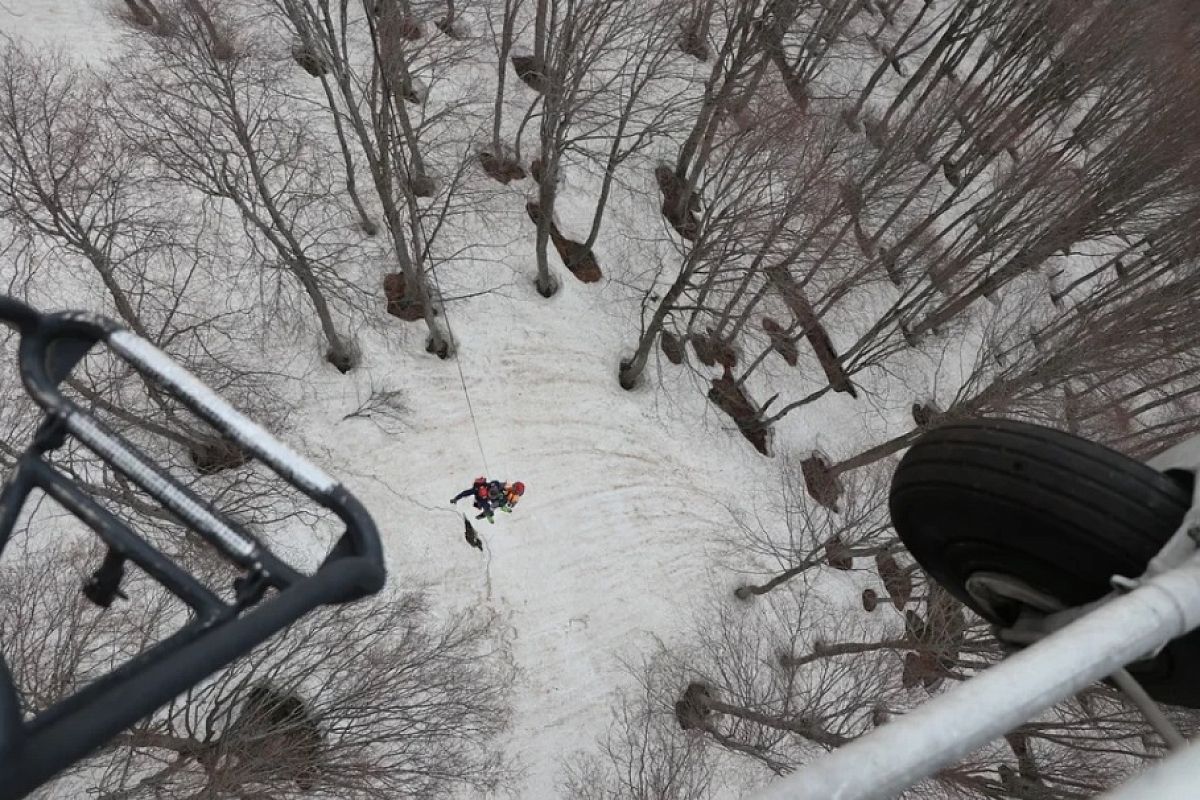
[[539, 33], [368, 225], [806, 729], [506, 36], [821, 651], [451, 16], [702, 20], [547, 285], [793, 296], [602, 202], [140, 15], [745, 591], [713, 98], [871, 455], [378, 161], [631, 370]]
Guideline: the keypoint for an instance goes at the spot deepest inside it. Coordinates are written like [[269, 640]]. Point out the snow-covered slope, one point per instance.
[[610, 542], [627, 491]]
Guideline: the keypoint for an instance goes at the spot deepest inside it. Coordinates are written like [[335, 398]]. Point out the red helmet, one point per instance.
[[518, 487]]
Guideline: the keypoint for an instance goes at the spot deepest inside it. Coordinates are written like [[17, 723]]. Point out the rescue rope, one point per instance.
[[461, 377], [487, 567], [487, 550], [470, 408]]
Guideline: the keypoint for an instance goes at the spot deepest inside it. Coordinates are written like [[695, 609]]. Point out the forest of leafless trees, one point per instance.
[[1001, 195], [1015, 211], [782, 670]]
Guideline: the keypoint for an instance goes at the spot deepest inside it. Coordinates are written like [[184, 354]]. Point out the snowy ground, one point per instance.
[[611, 541], [626, 490]]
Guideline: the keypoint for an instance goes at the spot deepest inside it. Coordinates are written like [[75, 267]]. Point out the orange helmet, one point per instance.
[[518, 487]]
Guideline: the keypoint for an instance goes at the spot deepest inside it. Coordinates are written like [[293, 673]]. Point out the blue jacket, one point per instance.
[[487, 496]]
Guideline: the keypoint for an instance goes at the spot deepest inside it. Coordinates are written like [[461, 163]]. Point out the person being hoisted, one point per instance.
[[491, 495]]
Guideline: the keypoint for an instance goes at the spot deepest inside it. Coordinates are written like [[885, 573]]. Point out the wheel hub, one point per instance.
[[1003, 597]]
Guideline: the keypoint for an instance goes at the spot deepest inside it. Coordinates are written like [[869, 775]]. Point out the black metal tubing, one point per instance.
[[17, 314], [206, 605], [47, 750], [32, 752], [44, 364], [40, 350]]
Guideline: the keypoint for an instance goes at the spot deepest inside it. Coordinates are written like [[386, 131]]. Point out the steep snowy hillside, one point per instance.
[[610, 543], [627, 491], [836, 222]]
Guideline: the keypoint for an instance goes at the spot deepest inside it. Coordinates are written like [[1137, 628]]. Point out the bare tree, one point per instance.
[[770, 200], [800, 38], [893, 55], [1051, 82], [78, 192], [756, 700], [811, 538], [71, 182], [372, 102], [642, 756], [587, 58], [220, 126], [740, 55], [735, 186], [638, 113], [1022, 372], [778, 681], [495, 160], [375, 699]]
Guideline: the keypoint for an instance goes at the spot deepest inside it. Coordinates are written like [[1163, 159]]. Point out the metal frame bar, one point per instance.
[[1174, 778], [940, 732], [32, 751]]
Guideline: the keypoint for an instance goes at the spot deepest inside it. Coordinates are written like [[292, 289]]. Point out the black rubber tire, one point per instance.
[[1057, 512]]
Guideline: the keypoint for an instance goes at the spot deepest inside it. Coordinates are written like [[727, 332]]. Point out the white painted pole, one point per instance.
[[1172, 779], [942, 731]]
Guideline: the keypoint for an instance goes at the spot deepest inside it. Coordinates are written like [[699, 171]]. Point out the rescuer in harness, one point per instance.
[[488, 496]]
